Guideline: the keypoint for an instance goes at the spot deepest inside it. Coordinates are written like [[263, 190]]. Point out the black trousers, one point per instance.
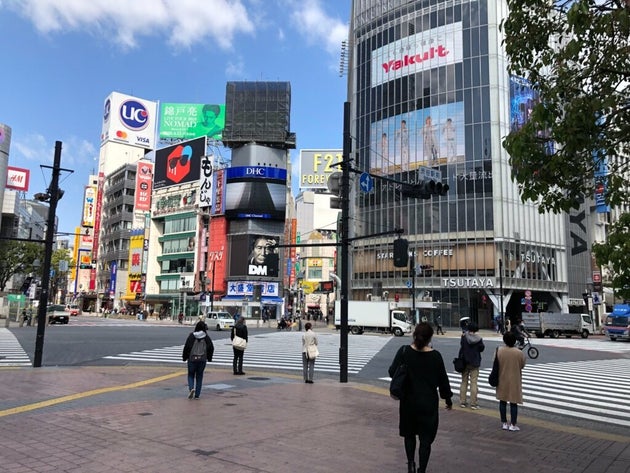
[[237, 361]]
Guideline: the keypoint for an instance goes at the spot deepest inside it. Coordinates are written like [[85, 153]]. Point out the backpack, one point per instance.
[[198, 352]]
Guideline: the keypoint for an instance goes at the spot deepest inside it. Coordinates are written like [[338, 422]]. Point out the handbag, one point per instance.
[[312, 352], [459, 364], [239, 343], [398, 384], [493, 377]]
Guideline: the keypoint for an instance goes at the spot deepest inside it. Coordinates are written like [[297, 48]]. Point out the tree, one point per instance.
[[60, 278], [615, 252], [17, 257], [576, 55]]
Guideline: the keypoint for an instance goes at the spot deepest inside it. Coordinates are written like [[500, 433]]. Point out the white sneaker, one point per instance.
[[514, 428], [505, 426], [191, 394]]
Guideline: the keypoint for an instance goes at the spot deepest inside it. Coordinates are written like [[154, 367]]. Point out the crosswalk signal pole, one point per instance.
[[345, 243]]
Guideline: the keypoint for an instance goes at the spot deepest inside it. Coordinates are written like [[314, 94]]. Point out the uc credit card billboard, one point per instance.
[[129, 120]]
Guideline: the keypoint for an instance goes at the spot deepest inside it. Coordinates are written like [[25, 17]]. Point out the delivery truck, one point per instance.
[[376, 316], [617, 324], [555, 324]]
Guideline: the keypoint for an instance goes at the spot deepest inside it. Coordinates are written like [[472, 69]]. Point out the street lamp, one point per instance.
[[52, 196]]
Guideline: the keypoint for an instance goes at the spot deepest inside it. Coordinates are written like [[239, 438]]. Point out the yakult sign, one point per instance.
[[423, 51]]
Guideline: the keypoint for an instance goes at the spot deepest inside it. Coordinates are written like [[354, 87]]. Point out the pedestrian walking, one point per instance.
[[198, 351], [418, 410], [240, 330], [438, 325], [309, 352], [510, 388], [471, 346]]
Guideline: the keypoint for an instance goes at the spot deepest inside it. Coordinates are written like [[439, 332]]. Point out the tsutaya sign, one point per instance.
[[468, 282]]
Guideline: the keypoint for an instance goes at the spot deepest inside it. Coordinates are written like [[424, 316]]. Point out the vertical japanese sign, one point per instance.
[[205, 181], [144, 183]]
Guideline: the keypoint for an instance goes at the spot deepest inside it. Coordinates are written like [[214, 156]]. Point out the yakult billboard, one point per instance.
[[419, 52], [129, 120]]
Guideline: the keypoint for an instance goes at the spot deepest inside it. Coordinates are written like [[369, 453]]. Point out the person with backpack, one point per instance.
[[198, 351]]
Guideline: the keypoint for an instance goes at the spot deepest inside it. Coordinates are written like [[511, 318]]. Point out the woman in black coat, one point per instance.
[[240, 330], [419, 406]]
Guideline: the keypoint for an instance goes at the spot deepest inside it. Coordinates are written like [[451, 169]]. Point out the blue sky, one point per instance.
[[62, 58]]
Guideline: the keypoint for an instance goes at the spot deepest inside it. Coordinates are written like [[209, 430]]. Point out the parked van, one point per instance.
[[219, 321]]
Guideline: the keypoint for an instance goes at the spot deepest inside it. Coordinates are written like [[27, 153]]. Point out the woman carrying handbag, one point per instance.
[[309, 353], [238, 331]]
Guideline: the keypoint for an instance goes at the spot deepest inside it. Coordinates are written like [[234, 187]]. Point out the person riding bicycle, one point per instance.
[[519, 330]]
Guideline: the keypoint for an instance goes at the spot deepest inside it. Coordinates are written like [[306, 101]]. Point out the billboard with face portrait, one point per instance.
[[255, 255], [186, 121]]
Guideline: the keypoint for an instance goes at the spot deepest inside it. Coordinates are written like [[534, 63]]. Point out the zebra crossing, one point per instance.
[[596, 390], [11, 352], [577, 343], [279, 350]]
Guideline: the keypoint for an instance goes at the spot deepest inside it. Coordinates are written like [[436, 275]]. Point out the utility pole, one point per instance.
[[412, 267], [345, 244], [53, 197]]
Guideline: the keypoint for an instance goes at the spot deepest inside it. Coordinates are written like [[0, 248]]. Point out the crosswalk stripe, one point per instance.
[[281, 350], [594, 344], [11, 352], [596, 390]]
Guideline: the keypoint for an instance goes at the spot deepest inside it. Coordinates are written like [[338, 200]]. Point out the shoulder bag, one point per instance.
[[459, 363], [493, 377], [238, 342], [398, 384], [312, 352]]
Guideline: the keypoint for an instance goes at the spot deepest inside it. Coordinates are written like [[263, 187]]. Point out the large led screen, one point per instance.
[[427, 137], [255, 192], [191, 120], [254, 255]]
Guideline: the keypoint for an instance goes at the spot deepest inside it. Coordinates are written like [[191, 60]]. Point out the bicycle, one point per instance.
[[532, 351]]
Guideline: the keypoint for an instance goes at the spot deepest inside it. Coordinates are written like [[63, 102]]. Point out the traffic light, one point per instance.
[[401, 253], [424, 189], [257, 292]]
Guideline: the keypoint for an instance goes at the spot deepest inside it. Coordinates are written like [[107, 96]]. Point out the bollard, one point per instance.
[[6, 322]]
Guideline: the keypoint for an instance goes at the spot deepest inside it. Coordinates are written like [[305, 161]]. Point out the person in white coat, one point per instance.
[[309, 353]]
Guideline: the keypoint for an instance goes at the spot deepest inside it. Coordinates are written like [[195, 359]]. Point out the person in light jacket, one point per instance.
[[471, 346], [240, 330], [510, 388], [309, 339]]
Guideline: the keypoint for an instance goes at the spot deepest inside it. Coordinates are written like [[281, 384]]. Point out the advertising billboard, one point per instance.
[[129, 120], [136, 248], [316, 165], [18, 178], [178, 163], [255, 192], [185, 121], [428, 137], [219, 185], [205, 182], [254, 255], [144, 184], [437, 47], [89, 206]]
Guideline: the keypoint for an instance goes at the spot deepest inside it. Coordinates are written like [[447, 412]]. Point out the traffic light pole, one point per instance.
[[345, 244], [53, 192], [412, 267]]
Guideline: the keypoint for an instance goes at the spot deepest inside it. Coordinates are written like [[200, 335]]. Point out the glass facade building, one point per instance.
[[432, 99]]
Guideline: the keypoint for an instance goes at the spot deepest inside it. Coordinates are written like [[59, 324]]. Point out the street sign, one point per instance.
[[408, 284], [366, 183]]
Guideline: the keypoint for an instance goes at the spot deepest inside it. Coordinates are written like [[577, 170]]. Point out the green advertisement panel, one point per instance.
[[191, 120]]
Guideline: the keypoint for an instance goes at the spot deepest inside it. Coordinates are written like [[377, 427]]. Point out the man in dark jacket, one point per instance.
[[471, 346]]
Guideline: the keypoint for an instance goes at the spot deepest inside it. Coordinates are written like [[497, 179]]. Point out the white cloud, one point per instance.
[[184, 22], [235, 70], [317, 27], [35, 148]]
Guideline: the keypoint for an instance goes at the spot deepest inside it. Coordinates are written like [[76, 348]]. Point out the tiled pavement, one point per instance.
[[138, 419]]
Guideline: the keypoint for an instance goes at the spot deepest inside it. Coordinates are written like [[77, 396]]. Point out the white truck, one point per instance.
[[555, 324], [379, 316]]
